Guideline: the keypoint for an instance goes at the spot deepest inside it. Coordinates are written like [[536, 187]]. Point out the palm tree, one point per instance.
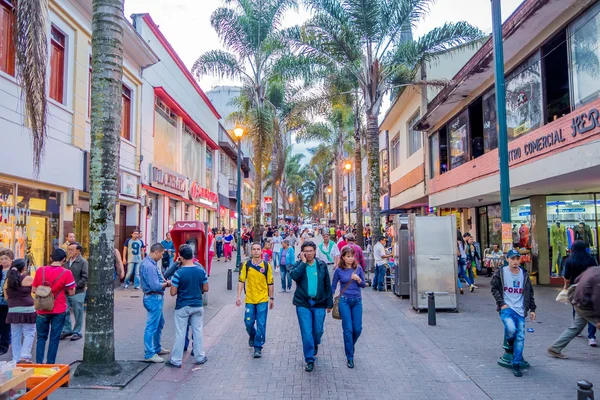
[[107, 74], [250, 29], [371, 41]]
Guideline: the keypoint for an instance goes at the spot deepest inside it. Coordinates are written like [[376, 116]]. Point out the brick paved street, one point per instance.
[[398, 356]]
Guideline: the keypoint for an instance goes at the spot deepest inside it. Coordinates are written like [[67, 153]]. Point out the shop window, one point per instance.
[[490, 126], [457, 132], [209, 168], [192, 154], [476, 128], [414, 136], [494, 224], [524, 109], [126, 117], [395, 156], [443, 149], [434, 155], [165, 139], [57, 65], [584, 47], [7, 48], [482, 229], [556, 77], [7, 215]]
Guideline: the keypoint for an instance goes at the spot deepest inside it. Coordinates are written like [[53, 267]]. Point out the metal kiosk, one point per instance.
[[402, 274], [432, 260]]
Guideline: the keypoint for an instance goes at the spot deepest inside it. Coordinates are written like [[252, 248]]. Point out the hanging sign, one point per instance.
[[507, 234]]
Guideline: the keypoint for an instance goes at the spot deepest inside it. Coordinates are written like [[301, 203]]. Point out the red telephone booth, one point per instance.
[[194, 234]]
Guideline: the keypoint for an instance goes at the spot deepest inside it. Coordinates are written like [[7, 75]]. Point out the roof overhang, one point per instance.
[[527, 22]]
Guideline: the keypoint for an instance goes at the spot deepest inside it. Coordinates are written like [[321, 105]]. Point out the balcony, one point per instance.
[[229, 147], [233, 189]]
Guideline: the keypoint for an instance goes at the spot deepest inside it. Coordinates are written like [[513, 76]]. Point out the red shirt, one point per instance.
[[341, 244], [58, 287], [267, 255]]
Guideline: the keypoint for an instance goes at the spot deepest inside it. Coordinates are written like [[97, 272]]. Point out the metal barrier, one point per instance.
[[585, 390]]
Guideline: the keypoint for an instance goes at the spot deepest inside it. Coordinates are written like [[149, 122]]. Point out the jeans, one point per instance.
[[219, 249], [351, 313], [24, 333], [256, 313], [285, 275], [462, 264], [514, 332], [74, 303], [48, 325], [4, 329], [469, 271], [130, 270], [276, 258], [153, 303], [582, 318], [311, 320], [591, 327], [195, 317], [379, 277]]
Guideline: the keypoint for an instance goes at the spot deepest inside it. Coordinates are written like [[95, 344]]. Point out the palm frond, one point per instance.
[[218, 63], [31, 50]]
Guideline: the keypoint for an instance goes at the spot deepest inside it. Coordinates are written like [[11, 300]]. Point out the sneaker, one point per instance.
[[170, 363], [461, 291], [592, 342], [155, 359], [63, 336], [76, 336], [163, 352], [471, 288], [556, 354], [125, 287], [137, 288], [282, 291], [350, 364], [517, 371], [202, 361], [476, 287], [316, 349], [257, 353], [309, 367]]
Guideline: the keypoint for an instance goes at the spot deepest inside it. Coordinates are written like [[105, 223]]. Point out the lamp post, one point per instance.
[[348, 167], [239, 132], [330, 190]]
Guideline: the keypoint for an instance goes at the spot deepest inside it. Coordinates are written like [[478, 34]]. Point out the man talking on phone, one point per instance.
[[312, 297]]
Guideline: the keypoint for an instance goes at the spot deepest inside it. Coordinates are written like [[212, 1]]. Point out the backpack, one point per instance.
[[44, 298]]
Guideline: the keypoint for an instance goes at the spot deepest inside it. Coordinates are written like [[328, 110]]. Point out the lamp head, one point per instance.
[[348, 166], [238, 131]]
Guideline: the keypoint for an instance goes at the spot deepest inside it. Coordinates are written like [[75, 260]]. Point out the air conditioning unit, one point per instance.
[[72, 197]]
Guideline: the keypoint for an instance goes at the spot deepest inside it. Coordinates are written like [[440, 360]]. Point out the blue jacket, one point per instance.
[[290, 257]]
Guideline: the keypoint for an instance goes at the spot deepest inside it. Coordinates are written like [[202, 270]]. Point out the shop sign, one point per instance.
[[198, 193], [570, 210], [268, 200], [168, 180], [232, 214], [129, 185], [580, 125], [507, 233]]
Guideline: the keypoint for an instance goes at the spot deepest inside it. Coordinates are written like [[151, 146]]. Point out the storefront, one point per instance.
[[30, 220]]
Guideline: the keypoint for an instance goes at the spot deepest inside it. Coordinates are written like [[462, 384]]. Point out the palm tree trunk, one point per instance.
[[339, 193], [358, 171], [107, 75], [258, 191], [373, 160]]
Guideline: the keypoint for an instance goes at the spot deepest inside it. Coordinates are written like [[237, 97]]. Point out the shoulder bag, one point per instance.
[[335, 312]]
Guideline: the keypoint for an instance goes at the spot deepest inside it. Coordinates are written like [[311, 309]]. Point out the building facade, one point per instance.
[[552, 92]]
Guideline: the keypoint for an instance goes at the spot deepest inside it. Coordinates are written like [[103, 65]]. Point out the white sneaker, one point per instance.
[[592, 342], [155, 359]]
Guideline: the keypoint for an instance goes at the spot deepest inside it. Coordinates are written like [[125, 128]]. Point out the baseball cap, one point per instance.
[[513, 253]]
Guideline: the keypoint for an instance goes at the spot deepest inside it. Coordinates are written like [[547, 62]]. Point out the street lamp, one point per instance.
[[329, 191], [239, 132], [348, 167]]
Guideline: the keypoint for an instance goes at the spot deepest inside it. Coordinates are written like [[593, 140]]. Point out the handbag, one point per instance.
[[335, 312]]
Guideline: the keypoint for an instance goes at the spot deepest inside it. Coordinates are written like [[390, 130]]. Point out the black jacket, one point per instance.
[[80, 269], [498, 290], [324, 298]]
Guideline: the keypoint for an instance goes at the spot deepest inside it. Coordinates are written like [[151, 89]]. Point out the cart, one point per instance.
[[35, 381], [492, 263]]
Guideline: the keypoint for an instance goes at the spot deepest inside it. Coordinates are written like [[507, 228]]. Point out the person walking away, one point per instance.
[[311, 298], [286, 263], [472, 257], [219, 245], [211, 250], [227, 245], [462, 263], [49, 323], [328, 251], [188, 284], [79, 268], [276, 240], [513, 293], [133, 249], [153, 286], [576, 263], [21, 312], [169, 253], [341, 242], [6, 258], [358, 253], [70, 238], [267, 253], [585, 297], [351, 279], [256, 277], [380, 257]]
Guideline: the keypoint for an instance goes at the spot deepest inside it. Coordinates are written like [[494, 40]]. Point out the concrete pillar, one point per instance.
[[540, 239]]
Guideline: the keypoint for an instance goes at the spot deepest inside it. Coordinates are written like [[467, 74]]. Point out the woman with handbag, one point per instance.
[[348, 305]]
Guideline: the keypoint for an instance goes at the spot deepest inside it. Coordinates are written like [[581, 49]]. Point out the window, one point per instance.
[[476, 128], [524, 109], [414, 136], [395, 152], [457, 129], [556, 77], [584, 46], [165, 138], [434, 155], [209, 167], [57, 65], [126, 117], [490, 129], [224, 164], [192, 154], [7, 49]]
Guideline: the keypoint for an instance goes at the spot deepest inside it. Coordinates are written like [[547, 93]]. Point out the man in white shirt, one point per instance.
[[380, 256], [328, 251]]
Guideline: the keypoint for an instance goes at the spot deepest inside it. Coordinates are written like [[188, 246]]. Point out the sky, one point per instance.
[[186, 24]]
